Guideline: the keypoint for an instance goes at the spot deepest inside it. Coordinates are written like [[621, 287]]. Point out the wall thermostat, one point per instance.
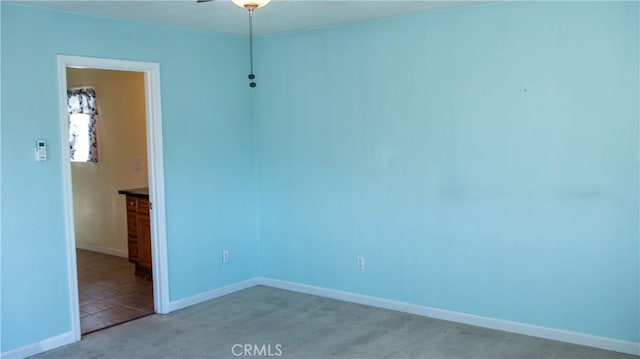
[[41, 150]]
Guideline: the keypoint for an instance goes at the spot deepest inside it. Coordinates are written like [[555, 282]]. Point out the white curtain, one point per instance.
[[82, 100]]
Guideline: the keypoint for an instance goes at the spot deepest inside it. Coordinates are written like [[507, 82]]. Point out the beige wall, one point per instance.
[[99, 211]]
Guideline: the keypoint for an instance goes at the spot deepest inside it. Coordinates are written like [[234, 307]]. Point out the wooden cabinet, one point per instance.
[[139, 233], [144, 242]]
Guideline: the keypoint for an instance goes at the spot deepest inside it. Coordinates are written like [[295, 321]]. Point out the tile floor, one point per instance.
[[110, 293]]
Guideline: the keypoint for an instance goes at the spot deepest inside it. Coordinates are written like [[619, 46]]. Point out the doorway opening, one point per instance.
[[108, 145], [113, 277]]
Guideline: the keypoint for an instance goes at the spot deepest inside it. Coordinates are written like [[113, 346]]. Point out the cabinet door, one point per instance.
[[133, 251], [132, 228], [144, 241]]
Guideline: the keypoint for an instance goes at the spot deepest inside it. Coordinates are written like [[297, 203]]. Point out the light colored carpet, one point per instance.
[[273, 321]]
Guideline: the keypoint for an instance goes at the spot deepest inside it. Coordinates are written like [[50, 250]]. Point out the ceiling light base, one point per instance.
[[253, 4]]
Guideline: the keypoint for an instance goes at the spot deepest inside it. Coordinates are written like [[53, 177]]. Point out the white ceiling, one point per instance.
[[224, 16]]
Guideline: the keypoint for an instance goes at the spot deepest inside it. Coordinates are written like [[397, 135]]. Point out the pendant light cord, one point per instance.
[[251, 38], [251, 74]]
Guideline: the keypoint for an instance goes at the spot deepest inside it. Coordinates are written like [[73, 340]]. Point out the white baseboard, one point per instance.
[[40, 347], [485, 322], [103, 250], [215, 293]]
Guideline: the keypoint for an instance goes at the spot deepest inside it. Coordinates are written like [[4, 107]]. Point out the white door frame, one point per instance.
[[156, 177]]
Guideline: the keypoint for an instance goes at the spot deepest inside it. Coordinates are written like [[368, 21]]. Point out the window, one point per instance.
[[79, 140], [83, 115]]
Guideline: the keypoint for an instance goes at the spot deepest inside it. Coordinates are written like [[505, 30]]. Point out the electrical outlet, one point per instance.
[[225, 256], [360, 263]]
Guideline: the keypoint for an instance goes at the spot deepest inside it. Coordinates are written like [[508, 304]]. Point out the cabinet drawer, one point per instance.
[[143, 207], [132, 224], [133, 252], [132, 204]]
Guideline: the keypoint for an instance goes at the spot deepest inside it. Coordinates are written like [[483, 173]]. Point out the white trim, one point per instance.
[[101, 249], [485, 322], [40, 347], [67, 192], [212, 294], [156, 176], [156, 189]]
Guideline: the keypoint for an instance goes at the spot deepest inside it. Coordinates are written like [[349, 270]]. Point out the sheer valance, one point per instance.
[[82, 100]]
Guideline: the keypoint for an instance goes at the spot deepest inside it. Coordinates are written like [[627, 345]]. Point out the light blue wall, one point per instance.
[[482, 159], [209, 195]]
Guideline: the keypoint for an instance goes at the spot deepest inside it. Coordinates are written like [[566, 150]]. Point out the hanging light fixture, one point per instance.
[[251, 5]]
